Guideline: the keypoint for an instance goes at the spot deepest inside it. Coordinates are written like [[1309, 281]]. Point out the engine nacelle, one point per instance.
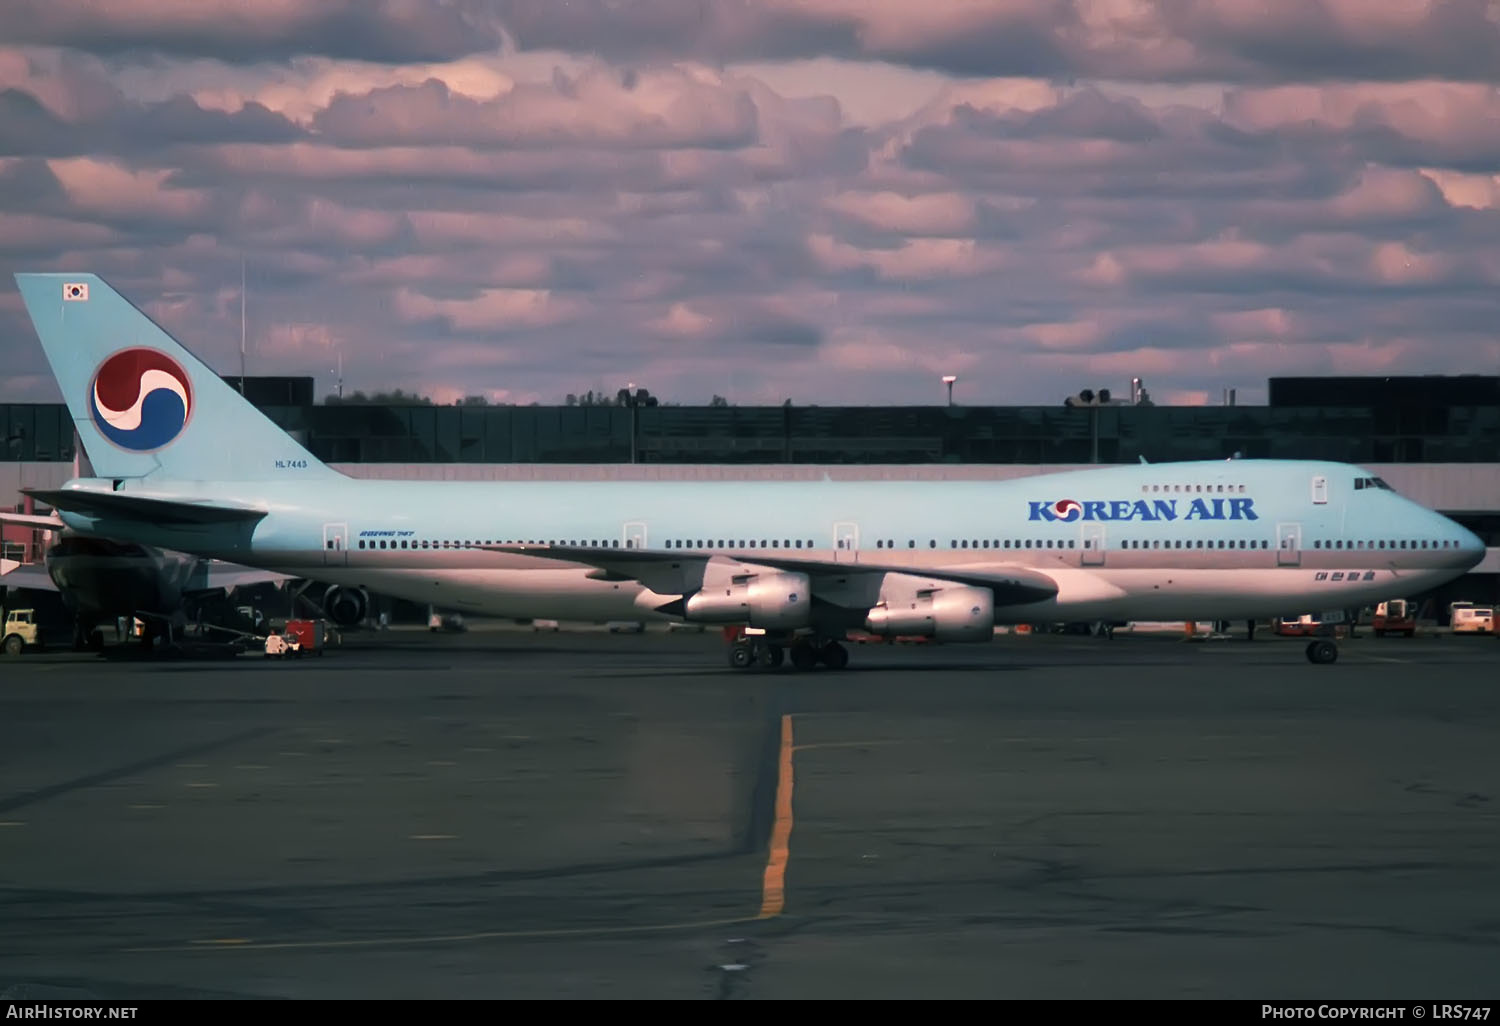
[[950, 613], [346, 606], [774, 601]]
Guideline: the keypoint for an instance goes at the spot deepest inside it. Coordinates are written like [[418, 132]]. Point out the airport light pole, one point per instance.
[[1088, 397], [633, 397], [949, 379]]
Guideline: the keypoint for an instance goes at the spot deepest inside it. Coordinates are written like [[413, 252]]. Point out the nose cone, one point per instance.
[[1472, 547]]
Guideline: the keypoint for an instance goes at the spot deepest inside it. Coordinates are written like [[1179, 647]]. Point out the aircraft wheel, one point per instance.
[[1322, 652], [771, 656], [740, 656], [804, 656], [834, 656]]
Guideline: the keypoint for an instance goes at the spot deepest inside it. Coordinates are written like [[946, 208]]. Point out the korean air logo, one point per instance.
[[140, 399], [1067, 510]]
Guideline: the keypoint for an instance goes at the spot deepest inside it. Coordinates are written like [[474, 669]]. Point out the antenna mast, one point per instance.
[[242, 324]]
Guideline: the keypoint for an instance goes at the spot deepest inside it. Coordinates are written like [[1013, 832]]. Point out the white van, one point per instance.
[[1474, 620]]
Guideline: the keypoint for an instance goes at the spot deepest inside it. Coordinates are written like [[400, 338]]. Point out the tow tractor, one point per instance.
[[282, 645]]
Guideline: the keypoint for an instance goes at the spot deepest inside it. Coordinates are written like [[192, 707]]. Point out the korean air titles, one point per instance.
[[1069, 510]]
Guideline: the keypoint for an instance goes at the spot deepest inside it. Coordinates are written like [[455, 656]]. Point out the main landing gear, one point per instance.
[[805, 653], [1322, 650]]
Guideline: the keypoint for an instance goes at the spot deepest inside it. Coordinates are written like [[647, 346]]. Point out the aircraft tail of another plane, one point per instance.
[[143, 406]]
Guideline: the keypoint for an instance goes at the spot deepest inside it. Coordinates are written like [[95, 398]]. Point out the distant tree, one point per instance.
[[592, 398], [473, 400], [718, 400], [640, 397], [392, 398]]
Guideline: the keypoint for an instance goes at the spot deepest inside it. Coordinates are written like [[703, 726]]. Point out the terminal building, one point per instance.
[[1435, 439]]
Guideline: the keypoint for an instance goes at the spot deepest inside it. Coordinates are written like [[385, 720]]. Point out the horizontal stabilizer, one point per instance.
[[123, 506], [32, 576], [46, 523]]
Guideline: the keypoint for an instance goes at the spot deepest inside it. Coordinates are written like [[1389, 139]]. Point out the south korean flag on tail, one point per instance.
[[76, 292]]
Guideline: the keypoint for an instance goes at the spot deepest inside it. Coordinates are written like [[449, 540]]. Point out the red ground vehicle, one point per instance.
[[1397, 616], [1306, 625], [310, 635]]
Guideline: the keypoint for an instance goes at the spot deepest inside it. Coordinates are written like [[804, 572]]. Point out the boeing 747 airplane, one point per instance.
[[186, 463]]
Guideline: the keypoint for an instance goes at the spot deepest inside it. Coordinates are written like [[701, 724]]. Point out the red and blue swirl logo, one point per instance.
[[1067, 510], [141, 399]]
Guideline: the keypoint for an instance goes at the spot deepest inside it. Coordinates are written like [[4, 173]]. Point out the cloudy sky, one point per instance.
[[831, 201]]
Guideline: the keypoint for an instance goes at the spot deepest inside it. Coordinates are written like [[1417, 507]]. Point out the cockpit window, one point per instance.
[[1371, 482]]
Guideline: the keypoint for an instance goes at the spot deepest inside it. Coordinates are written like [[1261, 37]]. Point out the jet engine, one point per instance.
[[346, 606], [773, 601], [949, 613]]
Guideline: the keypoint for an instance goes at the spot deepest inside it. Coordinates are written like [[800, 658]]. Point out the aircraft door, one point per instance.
[[845, 542], [633, 535], [1288, 544], [335, 544], [1091, 539]]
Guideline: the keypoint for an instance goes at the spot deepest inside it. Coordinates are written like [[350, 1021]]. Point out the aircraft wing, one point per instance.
[[123, 506], [230, 576], [671, 573], [33, 576]]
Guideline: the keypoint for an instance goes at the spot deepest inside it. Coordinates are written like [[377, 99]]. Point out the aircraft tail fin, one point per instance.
[[143, 406]]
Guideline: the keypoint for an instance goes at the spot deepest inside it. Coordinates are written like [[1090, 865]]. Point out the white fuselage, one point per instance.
[[1218, 540]]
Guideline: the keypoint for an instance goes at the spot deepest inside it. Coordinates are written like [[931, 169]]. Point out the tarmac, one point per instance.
[[502, 814]]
